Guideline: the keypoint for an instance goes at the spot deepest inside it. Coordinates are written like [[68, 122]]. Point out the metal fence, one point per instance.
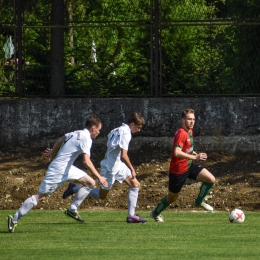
[[179, 49]]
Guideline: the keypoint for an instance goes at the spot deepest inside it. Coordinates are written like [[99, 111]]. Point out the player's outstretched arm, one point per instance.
[[195, 156], [88, 163], [126, 160]]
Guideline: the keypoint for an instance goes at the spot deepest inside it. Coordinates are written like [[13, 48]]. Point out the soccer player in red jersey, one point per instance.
[[182, 167]]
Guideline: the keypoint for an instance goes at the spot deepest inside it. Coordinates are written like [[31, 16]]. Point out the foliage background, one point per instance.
[[203, 47]]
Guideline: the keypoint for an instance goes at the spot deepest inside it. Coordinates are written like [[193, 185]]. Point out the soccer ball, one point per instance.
[[236, 216]]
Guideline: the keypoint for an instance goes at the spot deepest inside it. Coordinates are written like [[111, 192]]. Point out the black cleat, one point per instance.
[[11, 224], [69, 191], [74, 215]]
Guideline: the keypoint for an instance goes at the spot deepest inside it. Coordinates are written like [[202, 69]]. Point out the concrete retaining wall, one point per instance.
[[222, 124]]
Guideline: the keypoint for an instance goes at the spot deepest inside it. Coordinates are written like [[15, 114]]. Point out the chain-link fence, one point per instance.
[[147, 49]]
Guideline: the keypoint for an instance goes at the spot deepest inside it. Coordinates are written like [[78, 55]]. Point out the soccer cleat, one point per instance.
[[74, 215], [11, 224], [158, 218], [135, 219], [69, 191], [204, 206]]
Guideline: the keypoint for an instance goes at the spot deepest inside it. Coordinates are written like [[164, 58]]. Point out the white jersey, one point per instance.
[[76, 143], [119, 138]]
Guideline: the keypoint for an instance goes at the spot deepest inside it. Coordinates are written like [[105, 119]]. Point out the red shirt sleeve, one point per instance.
[[181, 139]]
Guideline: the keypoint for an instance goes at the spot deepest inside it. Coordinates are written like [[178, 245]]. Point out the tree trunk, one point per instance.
[[57, 48], [71, 41]]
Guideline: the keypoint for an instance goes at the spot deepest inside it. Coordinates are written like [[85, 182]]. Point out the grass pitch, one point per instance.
[[106, 235]]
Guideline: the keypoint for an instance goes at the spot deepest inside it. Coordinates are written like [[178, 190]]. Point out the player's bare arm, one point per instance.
[[126, 160], [196, 156], [88, 163], [50, 153]]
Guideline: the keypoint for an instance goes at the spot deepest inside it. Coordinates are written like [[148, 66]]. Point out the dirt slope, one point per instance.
[[238, 183]]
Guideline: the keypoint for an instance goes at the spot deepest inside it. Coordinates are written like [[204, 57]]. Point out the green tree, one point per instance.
[[122, 56], [207, 47], [241, 52], [190, 51]]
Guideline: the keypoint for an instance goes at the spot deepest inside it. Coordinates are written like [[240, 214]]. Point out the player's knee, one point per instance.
[[137, 185], [212, 179], [91, 184], [172, 197], [39, 197], [134, 183]]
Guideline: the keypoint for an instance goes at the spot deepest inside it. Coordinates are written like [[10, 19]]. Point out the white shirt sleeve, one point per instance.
[[85, 144], [125, 137]]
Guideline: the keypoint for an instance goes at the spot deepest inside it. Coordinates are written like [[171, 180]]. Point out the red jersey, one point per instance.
[[184, 140]]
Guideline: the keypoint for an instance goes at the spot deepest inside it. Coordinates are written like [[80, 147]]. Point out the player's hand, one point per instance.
[[202, 156], [133, 174], [103, 181], [48, 153]]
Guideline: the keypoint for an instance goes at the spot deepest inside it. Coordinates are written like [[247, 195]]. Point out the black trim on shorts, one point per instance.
[[176, 181]]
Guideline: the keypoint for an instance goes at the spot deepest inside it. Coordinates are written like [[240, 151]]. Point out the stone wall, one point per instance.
[[222, 124]]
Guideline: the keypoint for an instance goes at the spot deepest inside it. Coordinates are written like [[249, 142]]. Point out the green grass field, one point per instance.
[[106, 235]]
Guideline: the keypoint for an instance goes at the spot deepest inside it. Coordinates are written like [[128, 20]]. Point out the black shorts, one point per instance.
[[176, 181]]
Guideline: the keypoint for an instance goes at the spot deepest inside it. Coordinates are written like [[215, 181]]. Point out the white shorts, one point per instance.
[[52, 181], [121, 175]]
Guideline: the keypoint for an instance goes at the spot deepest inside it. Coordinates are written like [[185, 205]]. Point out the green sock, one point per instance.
[[204, 190], [161, 207]]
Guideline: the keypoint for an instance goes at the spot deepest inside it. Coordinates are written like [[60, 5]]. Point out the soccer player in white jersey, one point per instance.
[[116, 166], [61, 169]]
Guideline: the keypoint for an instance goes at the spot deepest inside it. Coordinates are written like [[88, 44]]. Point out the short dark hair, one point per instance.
[[187, 111], [137, 119], [93, 120]]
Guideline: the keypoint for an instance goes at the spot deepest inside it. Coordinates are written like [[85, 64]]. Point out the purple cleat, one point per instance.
[[69, 191], [135, 219]]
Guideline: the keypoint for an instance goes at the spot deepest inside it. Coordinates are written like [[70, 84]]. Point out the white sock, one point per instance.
[[132, 200], [79, 198], [25, 208], [94, 193]]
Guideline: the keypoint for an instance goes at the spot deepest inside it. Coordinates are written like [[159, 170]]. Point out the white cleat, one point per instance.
[[158, 218], [204, 206]]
